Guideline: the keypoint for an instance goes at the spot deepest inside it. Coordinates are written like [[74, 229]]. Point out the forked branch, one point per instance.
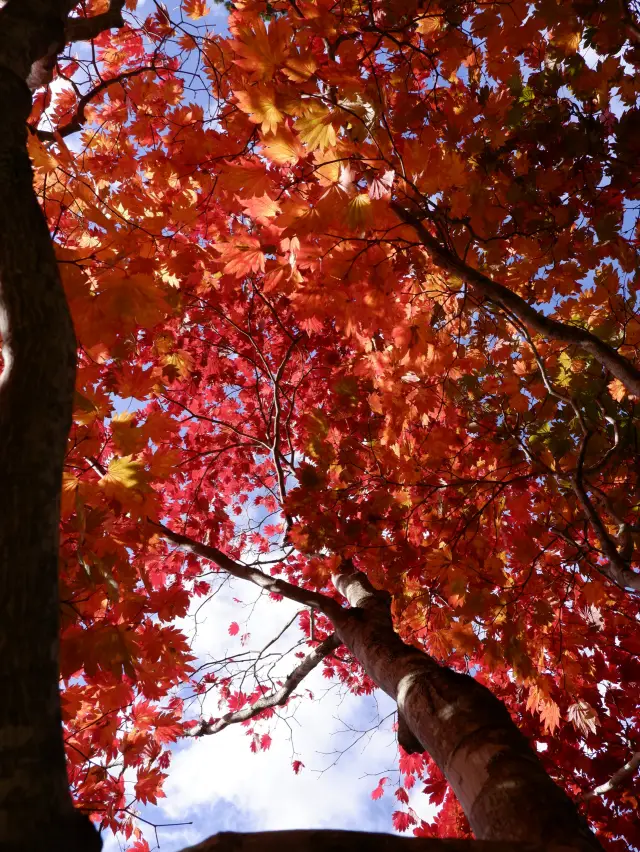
[[275, 699], [273, 585]]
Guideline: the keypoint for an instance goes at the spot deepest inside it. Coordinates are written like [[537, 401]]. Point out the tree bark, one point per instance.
[[36, 395], [328, 840], [503, 788]]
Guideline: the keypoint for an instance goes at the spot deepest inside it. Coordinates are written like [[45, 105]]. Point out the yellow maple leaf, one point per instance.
[[41, 158], [177, 364], [300, 68], [128, 437], [262, 51], [316, 129], [359, 211], [124, 477], [259, 103], [617, 390], [550, 715], [429, 25], [70, 485]]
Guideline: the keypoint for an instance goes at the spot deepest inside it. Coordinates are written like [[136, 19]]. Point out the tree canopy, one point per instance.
[[353, 283]]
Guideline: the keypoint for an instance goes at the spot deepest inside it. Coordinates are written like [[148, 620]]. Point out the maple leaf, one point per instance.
[[583, 717], [549, 714], [128, 437], [617, 390], [262, 51], [380, 186], [139, 846], [195, 9], [241, 257], [148, 786], [124, 477], [260, 208], [297, 766], [259, 102], [41, 158], [283, 147], [234, 628], [316, 128], [359, 213], [265, 742], [402, 820], [378, 793], [134, 381], [410, 764], [402, 795]]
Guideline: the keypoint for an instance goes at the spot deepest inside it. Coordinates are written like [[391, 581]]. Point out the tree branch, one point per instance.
[[617, 780], [277, 698], [85, 29], [631, 26], [618, 570], [500, 295], [273, 585], [76, 123]]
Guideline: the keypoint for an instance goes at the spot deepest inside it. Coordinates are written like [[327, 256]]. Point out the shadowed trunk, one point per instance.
[[329, 840], [36, 395], [503, 788]]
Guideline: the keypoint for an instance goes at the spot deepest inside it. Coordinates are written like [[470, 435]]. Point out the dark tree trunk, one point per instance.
[[329, 840], [36, 395]]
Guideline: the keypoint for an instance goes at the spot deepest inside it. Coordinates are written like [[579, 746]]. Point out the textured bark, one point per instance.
[[355, 841], [500, 783], [36, 394]]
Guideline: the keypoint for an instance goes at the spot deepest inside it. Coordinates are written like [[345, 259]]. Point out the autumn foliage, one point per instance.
[[279, 244]]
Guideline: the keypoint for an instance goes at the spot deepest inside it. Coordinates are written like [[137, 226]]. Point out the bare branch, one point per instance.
[[277, 698], [273, 585], [84, 29], [617, 780], [500, 295]]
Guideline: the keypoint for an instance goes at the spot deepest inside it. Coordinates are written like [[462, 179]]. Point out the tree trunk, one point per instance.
[[329, 840], [503, 788], [36, 396]]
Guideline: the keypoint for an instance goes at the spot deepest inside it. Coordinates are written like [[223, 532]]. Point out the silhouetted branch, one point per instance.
[[500, 295], [273, 585], [275, 699], [84, 29]]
